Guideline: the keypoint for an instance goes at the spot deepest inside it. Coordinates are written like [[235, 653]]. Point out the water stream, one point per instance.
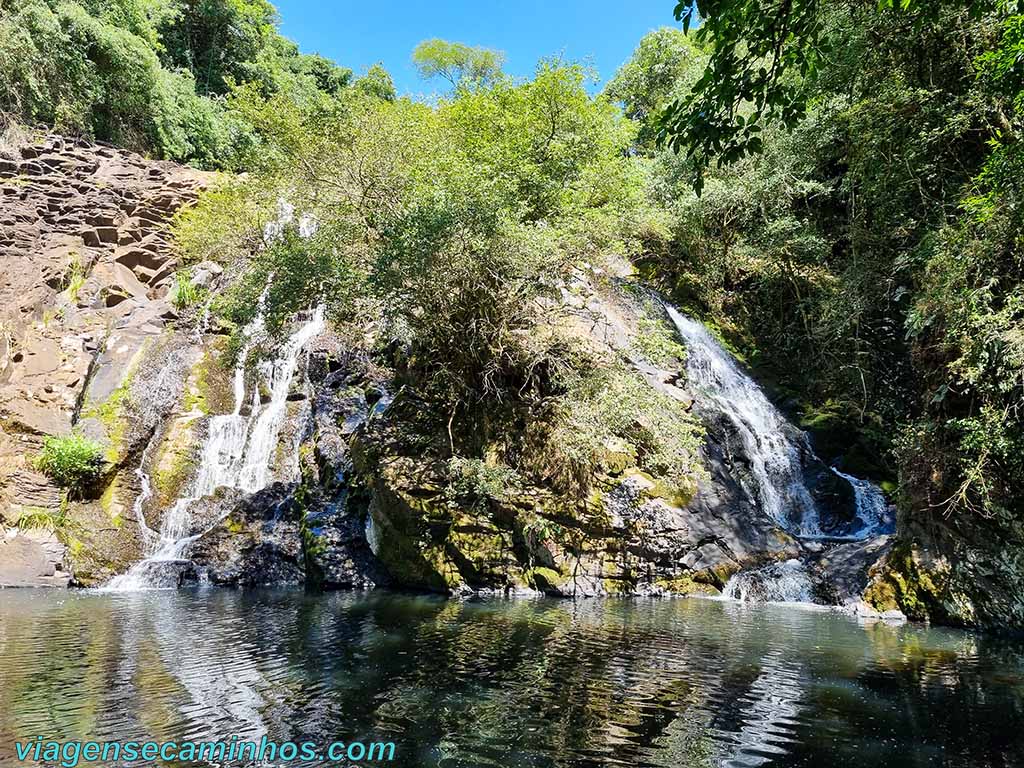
[[775, 458], [238, 452], [777, 453]]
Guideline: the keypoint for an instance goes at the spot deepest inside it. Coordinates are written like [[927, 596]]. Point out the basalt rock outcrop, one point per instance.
[[358, 493], [86, 264]]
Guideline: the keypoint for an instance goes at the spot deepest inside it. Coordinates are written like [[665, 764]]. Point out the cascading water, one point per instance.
[[238, 452], [786, 582], [872, 508], [239, 449], [775, 451], [774, 457]]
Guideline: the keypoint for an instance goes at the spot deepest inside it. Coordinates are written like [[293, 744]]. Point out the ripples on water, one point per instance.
[[680, 683]]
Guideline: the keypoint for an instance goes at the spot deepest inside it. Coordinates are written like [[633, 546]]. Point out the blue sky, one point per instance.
[[358, 34]]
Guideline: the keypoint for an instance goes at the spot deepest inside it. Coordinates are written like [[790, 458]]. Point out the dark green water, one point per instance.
[[509, 683]]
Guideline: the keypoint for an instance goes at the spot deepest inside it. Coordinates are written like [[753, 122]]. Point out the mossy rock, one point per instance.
[[546, 580], [210, 388], [109, 413], [685, 584], [175, 462], [909, 581], [658, 488], [617, 456]]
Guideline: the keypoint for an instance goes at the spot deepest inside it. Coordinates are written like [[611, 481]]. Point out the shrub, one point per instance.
[[611, 406], [75, 277], [72, 461], [185, 293], [478, 480]]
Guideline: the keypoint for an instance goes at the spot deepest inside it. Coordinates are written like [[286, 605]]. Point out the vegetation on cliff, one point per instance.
[[155, 75], [844, 184], [450, 231], [72, 461]]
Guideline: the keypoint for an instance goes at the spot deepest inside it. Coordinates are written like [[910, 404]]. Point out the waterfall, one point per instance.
[[775, 458], [149, 536], [786, 582], [872, 508], [238, 451], [776, 452]]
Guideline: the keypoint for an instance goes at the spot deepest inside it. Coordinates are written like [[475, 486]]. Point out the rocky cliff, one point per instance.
[[359, 490], [86, 270]]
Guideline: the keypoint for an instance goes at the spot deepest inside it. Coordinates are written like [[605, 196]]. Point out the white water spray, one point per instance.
[[870, 504], [774, 457], [785, 582], [238, 451]]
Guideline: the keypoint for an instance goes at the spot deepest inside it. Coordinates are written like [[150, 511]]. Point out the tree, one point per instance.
[[764, 61], [218, 40], [149, 75], [457, 63], [858, 171], [376, 84], [657, 70]]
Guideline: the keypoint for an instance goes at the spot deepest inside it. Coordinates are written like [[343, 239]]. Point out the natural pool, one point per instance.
[[675, 683]]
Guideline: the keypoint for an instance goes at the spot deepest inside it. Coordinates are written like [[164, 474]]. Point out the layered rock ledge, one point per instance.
[[87, 264]]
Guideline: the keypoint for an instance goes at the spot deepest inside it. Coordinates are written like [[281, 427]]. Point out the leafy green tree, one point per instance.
[[150, 75], [764, 62], [666, 61], [858, 214], [376, 83], [218, 40], [457, 63], [441, 223]]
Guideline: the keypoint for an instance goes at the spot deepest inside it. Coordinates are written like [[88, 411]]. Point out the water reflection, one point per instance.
[[508, 683]]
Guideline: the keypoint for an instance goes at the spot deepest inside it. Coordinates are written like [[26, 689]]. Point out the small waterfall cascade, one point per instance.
[[785, 582], [776, 452], [775, 459], [238, 451], [872, 508]]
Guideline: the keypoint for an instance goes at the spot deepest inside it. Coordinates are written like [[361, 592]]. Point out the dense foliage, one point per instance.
[[856, 228], [448, 230], [150, 74], [835, 187]]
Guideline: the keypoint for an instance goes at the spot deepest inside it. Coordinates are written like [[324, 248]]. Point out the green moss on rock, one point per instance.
[[908, 581], [685, 584], [546, 579], [175, 463], [209, 388]]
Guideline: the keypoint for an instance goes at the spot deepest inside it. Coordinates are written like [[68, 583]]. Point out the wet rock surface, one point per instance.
[[842, 570], [253, 540], [85, 267]]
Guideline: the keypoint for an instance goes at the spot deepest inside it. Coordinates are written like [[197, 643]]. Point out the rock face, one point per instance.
[[958, 572], [85, 268], [32, 559], [257, 541], [633, 534], [90, 343], [631, 540], [843, 572]]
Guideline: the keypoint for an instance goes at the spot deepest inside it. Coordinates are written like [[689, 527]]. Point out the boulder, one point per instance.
[[257, 542], [32, 558]]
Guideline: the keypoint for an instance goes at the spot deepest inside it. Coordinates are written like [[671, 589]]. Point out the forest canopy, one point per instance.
[[153, 75]]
